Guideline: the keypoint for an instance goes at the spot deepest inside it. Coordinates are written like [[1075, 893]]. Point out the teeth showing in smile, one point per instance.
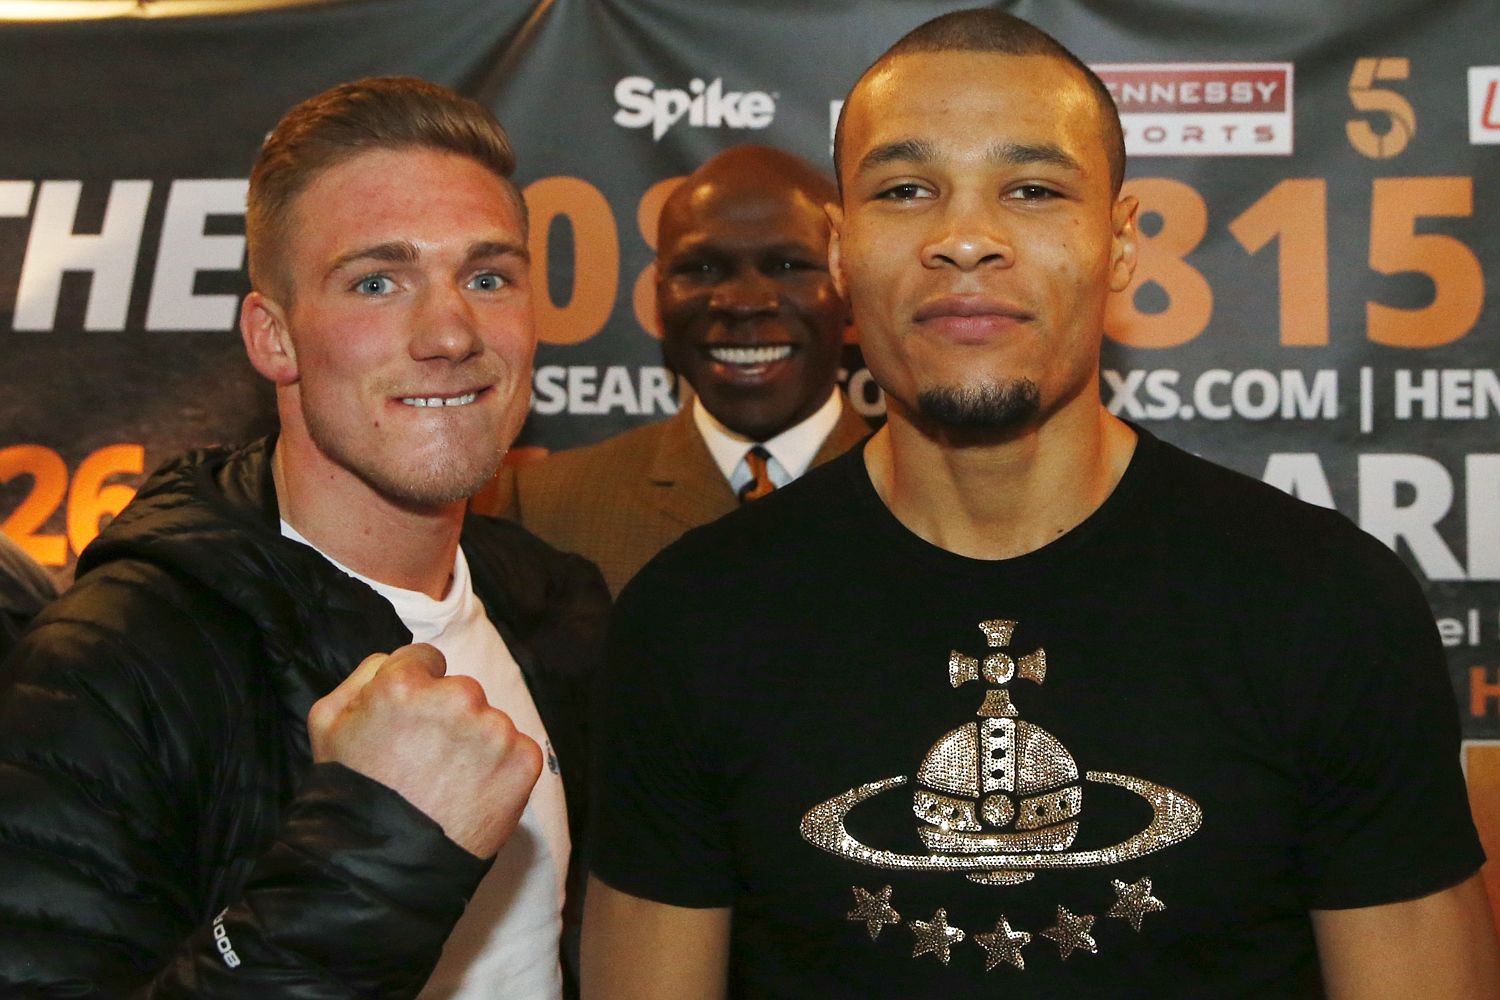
[[463, 400], [750, 355]]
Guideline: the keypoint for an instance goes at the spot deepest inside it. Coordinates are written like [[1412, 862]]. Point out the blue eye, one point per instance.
[[375, 284], [489, 281]]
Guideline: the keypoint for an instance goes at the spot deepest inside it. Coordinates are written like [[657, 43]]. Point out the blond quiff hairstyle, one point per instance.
[[385, 112]]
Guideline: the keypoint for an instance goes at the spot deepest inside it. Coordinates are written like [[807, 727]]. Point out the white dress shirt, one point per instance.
[[791, 451]]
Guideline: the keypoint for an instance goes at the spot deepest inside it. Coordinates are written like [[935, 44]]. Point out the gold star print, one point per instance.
[[1071, 932], [873, 910], [1135, 901], [1003, 945], [935, 937]]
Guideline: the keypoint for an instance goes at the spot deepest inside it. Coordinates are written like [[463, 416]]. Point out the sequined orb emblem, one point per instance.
[[999, 784], [999, 799]]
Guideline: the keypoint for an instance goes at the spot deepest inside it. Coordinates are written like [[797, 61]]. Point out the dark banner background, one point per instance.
[[1311, 304]]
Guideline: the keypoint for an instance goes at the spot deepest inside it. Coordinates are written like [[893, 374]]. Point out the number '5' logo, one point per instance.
[[1365, 96]]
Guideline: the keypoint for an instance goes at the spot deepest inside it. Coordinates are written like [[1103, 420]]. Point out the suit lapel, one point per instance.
[[688, 487], [848, 432]]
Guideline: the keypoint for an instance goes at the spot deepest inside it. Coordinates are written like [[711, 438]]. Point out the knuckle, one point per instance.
[[424, 654], [502, 729], [511, 739], [320, 717], [529, 754], [400, 685], [466, 693]]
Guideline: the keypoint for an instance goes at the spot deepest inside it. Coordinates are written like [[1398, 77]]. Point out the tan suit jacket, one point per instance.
[[621, 501]]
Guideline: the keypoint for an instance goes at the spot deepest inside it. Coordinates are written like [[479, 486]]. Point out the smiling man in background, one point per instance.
[[1018, 700], [751, 319], [225, 767]]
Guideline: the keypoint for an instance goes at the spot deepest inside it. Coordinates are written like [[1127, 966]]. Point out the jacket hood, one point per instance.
[[211, 516]]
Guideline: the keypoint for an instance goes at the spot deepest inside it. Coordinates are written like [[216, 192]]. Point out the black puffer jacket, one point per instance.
[[25, 589], [155, 768]]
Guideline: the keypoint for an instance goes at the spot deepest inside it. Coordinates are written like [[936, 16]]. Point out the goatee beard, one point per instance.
[[991, 406]]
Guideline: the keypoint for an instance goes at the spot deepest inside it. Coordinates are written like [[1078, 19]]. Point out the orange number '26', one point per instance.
[[90, 499]]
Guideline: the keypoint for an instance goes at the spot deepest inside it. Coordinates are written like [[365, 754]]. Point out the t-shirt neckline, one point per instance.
[[425, 617], [1121, 500]]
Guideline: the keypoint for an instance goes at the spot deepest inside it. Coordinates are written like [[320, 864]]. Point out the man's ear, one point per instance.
[[1123, 247], [652, 309], [835, 215], [268, 339]]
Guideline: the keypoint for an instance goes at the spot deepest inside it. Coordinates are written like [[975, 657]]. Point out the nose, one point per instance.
[[746, 292], [969, 235], [445, 327]]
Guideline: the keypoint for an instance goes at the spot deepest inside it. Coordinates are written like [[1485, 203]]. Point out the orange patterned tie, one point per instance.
[[760, 477]]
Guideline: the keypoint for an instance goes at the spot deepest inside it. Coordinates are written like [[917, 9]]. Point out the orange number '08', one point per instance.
[[596, 258], [1395, 247], [646, 219], [90, 500], [1365, 96], [1190, 300]]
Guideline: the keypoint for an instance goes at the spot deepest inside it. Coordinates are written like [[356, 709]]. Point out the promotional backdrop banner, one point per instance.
[[1310, 306]]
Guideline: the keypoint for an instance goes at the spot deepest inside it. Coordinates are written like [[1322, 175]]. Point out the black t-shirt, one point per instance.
[[1126, 764]]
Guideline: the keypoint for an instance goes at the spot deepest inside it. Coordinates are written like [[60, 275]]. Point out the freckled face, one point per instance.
[[979, 237], [411, 321]]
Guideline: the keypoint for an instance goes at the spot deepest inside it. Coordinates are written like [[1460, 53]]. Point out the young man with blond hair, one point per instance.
[[302, 728]]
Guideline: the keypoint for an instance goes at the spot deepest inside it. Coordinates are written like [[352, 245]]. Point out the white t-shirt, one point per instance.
[[505, 944]]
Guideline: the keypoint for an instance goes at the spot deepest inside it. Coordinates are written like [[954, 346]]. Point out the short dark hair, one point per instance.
[[997, 32], [383, 112]]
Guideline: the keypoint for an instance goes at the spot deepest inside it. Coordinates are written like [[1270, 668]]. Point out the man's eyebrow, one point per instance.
[[1010, 154], [692, 248], [900, 151], [498, 248], [392, 252], [406, 252], [790, 248], [1020, 154]]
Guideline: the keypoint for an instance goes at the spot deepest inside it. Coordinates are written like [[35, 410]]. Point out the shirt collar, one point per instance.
[[793, 449]]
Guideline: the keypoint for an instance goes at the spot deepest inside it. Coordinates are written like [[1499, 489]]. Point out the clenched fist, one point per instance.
[[432, 738]]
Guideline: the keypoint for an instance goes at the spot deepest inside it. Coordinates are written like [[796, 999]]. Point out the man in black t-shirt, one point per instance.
[[1018, 700]]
